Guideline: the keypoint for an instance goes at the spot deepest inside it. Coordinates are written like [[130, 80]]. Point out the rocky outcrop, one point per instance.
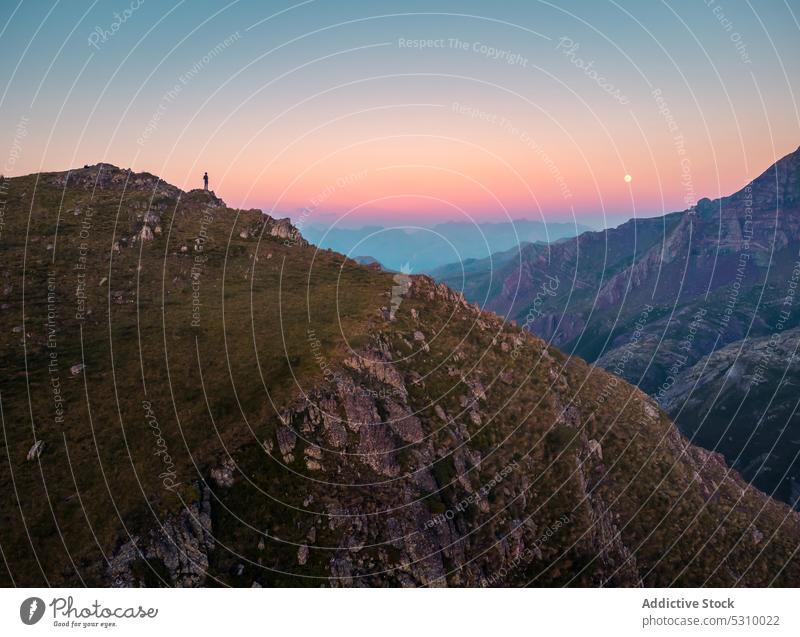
[[278, 228], [174, 554], [103, 176]]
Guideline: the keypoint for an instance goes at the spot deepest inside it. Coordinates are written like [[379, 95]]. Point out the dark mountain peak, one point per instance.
[[779, 183], [762, 214]]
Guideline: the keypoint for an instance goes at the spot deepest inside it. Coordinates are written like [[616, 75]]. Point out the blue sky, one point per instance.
[[306, 95]]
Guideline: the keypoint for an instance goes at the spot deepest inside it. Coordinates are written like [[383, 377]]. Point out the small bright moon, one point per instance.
[[628, 179]]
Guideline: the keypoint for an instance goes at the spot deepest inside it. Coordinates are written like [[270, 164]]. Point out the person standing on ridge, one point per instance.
[[205, 182]]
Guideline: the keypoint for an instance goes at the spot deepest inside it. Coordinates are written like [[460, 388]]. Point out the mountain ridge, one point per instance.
[[711, 276], [237, 407]]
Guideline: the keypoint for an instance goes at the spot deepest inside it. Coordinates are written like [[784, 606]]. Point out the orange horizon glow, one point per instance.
[[342, 119]]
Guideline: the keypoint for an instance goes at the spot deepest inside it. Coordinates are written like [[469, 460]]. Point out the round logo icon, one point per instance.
[[31, 610]]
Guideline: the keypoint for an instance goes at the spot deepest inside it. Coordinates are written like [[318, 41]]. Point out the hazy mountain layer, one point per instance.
[[422, 249]]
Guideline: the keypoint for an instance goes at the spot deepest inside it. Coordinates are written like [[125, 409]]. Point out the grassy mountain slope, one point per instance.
[[251, 413]]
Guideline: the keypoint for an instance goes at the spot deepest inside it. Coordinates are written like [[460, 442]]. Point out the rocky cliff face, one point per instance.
[[745, 395], [255, 412]]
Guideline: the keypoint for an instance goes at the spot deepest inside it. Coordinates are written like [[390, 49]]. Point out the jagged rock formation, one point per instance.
[[176, 554]]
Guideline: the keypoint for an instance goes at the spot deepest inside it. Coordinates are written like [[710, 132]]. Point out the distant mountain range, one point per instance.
[[426, 248], [697, 308], [192, 395]]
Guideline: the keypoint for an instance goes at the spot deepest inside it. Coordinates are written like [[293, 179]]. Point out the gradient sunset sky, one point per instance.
[[517, 109]]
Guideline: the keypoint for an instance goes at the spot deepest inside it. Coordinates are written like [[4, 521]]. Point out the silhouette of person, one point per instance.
[[205, 181]]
